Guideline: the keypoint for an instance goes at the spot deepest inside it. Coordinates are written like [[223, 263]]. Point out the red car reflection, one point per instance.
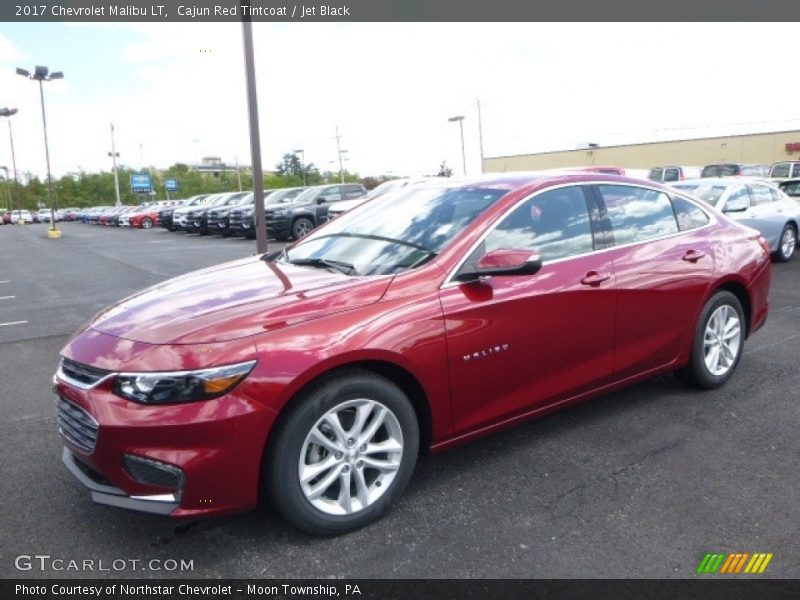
[[420, 320]]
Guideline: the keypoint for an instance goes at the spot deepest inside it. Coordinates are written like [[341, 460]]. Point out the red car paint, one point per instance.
[[473, 357]]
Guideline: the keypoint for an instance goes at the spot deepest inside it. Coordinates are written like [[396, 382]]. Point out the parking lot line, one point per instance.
[[7, 297], [12, 323]]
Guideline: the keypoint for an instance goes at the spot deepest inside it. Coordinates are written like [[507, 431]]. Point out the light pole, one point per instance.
[[460, 120], [8, 192], [302, 163], [10, 112], [259, 218], [41, 74], [114, 155]]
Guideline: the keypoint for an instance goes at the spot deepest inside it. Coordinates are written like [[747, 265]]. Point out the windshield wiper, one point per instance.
[[338, 265]]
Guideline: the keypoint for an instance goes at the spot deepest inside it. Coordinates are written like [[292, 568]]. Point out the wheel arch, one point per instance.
[[738, 289]]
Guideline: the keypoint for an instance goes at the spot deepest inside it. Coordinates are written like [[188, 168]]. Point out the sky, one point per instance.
[[176, 91]]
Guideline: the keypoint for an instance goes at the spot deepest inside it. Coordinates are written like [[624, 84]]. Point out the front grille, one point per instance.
[[77, 425], [83, 373], [153, 472]]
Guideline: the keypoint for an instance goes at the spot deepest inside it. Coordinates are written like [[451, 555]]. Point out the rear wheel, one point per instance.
[[343, 453], [718, 342], [786, 244]]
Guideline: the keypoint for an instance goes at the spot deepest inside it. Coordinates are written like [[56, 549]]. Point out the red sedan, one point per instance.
[[143, 218], [414, 322]]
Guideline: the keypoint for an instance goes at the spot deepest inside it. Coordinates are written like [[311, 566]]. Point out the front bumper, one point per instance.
[[104, 493], [277, 226], [214, 446]]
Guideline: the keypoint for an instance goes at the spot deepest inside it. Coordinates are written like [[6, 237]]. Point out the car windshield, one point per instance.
[[755, 170], [394, 232], [720, 171], [308, 195], [386, 186], [709, 193], [284, 196]]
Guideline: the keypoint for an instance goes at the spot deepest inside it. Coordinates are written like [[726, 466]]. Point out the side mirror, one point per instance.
[[736, 205], [503, 261], [321, 200]]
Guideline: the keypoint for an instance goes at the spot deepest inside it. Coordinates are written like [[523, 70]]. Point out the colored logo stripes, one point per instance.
[[735, 563]]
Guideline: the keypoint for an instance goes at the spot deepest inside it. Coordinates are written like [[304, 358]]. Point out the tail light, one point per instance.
[[764, 244]]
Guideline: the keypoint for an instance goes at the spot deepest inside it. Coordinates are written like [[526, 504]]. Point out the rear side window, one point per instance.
[[687, 214], [555, 224], [760, 194], [353, 191], [780, 170], [796, 170], [672, 174], [655, 174], [333, 194], [638, 214]]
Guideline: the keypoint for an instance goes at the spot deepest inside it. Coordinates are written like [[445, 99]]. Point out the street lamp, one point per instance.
[[302, 162], [9, 112], [41, 74], [114, 156], [460, 120]]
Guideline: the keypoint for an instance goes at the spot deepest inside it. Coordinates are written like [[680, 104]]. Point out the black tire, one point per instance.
[[782, 254], [281, 476], [301, 227], [697, 373], [147, 223]]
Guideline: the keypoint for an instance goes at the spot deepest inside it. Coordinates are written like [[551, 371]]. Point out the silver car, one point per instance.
[[753, 203]]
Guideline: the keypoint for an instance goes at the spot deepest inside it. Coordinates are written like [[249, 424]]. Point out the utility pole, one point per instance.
[[114, 154], [339, 152], [238, 173], [480, 131]]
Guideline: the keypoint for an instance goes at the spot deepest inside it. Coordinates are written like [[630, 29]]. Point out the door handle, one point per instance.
[[595, 277], [694, 255]]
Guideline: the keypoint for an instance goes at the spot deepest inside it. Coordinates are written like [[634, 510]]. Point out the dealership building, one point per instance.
[[756, 148]]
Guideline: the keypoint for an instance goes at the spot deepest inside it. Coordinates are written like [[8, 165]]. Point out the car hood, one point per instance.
[[234, 300]]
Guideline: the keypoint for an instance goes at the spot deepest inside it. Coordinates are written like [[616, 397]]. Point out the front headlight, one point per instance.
[[278, 213], [247, 212], [180, 386]]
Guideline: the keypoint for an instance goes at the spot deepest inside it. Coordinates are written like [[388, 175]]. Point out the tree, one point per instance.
[[444, 170]]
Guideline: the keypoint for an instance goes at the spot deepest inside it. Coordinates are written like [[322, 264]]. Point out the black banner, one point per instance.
[[396, 10], [371, 589]]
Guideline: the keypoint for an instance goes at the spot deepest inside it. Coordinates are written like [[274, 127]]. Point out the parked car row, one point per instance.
[[24, 216], [289, 212]]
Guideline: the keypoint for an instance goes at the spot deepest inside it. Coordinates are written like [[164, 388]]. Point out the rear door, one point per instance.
[[663, 262], [766, 214]]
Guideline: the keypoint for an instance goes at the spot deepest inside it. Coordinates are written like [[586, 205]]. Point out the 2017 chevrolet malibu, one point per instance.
[[414, 322]]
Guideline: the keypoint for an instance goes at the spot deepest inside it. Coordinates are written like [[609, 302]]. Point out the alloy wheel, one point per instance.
[[350, 457], [722, 340]]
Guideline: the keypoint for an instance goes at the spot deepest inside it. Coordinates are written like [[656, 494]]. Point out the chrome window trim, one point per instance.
[[712, 220]]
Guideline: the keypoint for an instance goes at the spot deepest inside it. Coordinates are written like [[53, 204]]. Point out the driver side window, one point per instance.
[[554, 223]]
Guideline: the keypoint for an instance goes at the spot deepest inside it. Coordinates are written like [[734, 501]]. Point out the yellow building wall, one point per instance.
[[760, 148]]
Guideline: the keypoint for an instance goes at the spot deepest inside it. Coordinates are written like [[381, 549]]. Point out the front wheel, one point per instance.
[[718, 342], [147, 223], [786, 244], [301, 228], [343, 453]]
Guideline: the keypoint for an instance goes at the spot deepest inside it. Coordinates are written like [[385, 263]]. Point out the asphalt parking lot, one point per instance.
[[640, 483]]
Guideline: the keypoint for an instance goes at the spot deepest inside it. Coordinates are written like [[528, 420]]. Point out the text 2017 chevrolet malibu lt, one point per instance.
[[425, 318]]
